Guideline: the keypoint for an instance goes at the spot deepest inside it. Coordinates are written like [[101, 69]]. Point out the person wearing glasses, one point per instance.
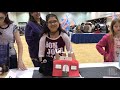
[[109, 45], [10, 32], [33, 31], [54, 38]]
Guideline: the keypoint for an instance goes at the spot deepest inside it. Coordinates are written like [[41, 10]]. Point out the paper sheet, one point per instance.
[[24, 74], [20, 74], [11, 74]]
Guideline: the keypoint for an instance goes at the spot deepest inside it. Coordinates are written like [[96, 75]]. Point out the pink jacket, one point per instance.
[[106, 48]]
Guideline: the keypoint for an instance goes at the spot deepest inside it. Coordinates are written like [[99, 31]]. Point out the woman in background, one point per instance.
[[33, 31]]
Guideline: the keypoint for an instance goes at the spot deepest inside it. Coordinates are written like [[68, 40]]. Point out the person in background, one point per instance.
[[33, 31], [109, 45], [78, 30], [70, 32], [54, 38], [93, 26], [86, 28], [90, 27], [107, 28], [11, 33], [82, 27], [97, 29], [71, 29]]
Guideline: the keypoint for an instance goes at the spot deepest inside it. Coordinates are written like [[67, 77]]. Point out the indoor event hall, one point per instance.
[[59, 44]]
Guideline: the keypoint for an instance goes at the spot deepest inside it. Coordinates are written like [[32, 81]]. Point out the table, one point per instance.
[[100, 70], [29, 73], [86, 37]]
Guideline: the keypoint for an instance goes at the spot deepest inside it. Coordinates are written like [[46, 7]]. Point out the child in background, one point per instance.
[[109, 45]]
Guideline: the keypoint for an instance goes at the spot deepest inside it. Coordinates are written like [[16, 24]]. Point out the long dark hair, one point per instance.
[[47, 30], [31, 18], [7, 20]]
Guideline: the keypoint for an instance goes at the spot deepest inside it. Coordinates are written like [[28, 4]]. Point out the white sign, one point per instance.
[[65, 58]]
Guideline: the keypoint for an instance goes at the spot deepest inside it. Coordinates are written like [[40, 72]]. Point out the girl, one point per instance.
[[109, 45], [10, 32], [54, 38]]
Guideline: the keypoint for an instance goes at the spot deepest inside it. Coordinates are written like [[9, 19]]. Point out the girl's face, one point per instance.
[[116, 28], [36, 15], [2, 18], [53, 24]]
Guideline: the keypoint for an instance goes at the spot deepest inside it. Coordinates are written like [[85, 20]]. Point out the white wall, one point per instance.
[[109, 19], [88, 16], [77, 17], [43, 15], [12, 16], [22, 16], [95, 15]]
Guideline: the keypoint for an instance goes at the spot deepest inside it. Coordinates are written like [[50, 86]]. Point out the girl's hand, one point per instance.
[[21, 65]]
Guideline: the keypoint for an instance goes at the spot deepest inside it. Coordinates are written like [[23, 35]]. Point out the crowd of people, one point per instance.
[[89, 28]]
